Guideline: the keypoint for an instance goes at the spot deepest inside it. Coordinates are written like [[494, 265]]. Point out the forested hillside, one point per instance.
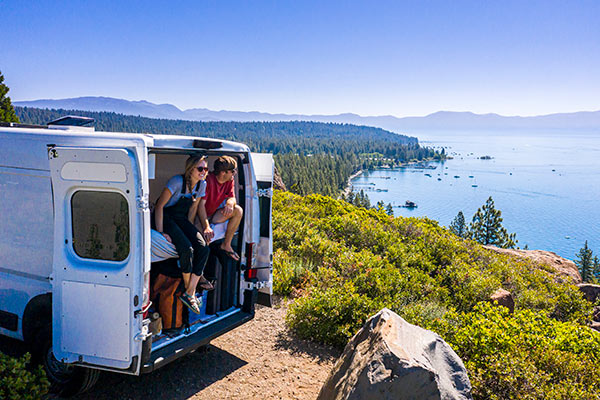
[[312, 157], [344, 263]]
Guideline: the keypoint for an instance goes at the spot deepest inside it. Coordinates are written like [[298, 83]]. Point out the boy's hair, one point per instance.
[[224, 163]]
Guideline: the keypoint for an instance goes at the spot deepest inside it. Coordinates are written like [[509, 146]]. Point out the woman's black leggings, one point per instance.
[[189, 242]]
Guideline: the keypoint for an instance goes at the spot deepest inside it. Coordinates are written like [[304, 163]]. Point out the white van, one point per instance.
[[75, 247]]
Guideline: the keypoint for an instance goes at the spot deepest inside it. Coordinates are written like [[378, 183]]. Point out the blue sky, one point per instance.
[[311, 57]]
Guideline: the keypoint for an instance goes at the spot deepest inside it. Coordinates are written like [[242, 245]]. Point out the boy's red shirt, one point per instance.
[[216, 193]]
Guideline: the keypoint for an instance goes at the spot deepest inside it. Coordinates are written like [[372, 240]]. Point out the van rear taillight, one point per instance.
[[250, 256], [250, 273]]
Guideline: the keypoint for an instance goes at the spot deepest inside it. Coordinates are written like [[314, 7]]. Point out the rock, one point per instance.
[[597, 313], [391, 359], [562, 266], [590, 292], [277, 181], [504, 298]]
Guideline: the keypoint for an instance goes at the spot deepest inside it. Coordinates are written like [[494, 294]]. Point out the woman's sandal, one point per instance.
[[203, 283], [190, 302]]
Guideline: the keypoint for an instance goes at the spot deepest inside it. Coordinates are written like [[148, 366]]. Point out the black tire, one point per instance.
[[65, 380]]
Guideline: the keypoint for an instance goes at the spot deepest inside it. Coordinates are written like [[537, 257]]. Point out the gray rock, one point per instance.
[[596, 313], [503, 298], [590, 292], [392, 359]]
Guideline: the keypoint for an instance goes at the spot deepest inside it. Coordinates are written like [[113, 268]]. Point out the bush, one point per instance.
[[17, 382], [288, 273], [525, 355], [351, 262], [344, 310]]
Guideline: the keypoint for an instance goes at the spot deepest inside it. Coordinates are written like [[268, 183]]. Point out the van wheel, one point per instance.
[[65, 380]]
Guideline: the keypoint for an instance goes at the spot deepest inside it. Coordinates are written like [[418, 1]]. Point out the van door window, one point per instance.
[[100, 223]]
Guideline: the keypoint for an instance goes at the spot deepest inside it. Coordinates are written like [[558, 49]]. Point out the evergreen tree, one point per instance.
[[585, 263], [7, 112], [389, 210], [380, 206], [350, 197], [596, 269], [486, 227], [459, 226]]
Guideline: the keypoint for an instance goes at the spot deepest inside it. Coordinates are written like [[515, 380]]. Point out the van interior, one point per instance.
[[222, 271]]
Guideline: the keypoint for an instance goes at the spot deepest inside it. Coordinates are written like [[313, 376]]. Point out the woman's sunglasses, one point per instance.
[[201, 169]]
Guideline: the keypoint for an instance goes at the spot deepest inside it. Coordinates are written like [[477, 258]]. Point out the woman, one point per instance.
[[174, 217]]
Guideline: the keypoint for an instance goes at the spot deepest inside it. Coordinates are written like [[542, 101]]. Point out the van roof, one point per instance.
[[100, 138]]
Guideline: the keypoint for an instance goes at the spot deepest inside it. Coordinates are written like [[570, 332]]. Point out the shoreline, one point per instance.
[[348, 187]]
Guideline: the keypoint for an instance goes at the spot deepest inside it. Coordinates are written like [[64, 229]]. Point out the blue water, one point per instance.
[[546, 185]]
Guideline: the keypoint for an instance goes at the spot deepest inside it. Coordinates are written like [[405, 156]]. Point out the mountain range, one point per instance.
[[587, 121]]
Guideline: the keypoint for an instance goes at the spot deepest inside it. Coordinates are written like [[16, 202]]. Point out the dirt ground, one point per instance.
[[258, 360]]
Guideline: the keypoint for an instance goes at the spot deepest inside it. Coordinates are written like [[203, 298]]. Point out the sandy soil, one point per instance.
[[258, 360]]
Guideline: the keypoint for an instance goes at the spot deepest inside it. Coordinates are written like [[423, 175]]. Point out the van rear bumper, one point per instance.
[[190, 343]]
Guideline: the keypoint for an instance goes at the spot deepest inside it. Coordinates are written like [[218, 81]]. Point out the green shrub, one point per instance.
[[289, 273], [525, 355], [351, 262], [19, 383], [344, 310]]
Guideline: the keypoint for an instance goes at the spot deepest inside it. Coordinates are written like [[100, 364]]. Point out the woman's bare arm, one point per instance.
[[165, 196]]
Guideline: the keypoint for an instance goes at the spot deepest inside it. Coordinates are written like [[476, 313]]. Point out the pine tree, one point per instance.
[[486, 227], [596, 269], [389, 210], [380, 206], [7, 112], [585, 263], [459, 226]]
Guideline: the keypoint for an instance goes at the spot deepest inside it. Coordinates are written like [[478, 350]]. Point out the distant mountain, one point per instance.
[[439, 121]]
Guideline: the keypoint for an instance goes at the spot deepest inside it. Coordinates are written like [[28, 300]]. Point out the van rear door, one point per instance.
[[264, 170], [99, 214]]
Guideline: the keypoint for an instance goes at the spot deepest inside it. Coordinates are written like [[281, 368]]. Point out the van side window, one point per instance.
[[100, 225]]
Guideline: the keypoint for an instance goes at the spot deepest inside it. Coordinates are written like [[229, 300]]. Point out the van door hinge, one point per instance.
[[143, 202], [265, 192], [144, 333], [52, 153], [257, 285]]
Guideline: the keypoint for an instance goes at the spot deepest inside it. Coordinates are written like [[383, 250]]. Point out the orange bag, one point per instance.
[[165, 295]]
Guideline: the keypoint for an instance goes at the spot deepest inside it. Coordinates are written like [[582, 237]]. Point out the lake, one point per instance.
[[546, 185]]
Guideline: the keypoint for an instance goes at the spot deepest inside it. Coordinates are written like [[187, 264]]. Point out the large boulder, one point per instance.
[[503, 298], [590, 291], [392, 359], [564, 268]]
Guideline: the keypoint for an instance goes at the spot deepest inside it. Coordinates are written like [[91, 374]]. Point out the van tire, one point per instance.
[[66, 381]]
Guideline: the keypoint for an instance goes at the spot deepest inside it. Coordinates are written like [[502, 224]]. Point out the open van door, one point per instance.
[[264, 170], [97, 278]]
